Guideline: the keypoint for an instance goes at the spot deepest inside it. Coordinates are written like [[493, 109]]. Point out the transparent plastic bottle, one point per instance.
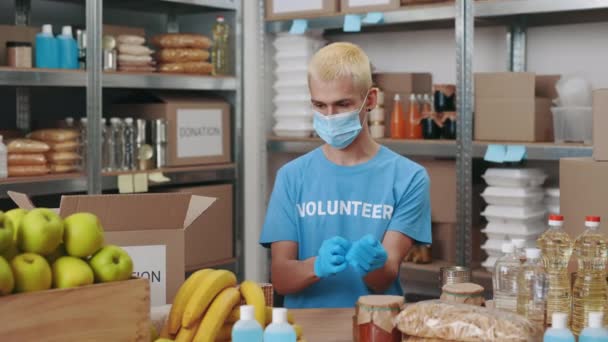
[[3, 159], [398, 119], [117, 158], [594, 332], [413, 129], [247, 329], [520, 251], [589, 290], [556, 247], [280, 330], [559, 332], [219, 51], [504, 279], [532, 289], [129, 150]]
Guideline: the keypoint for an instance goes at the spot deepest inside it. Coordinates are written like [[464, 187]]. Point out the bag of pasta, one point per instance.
[[466, 323]]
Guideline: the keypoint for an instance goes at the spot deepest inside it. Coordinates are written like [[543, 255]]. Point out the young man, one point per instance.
[[342, 217]]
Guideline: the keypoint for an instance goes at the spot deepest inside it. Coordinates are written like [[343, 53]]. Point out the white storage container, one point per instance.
[[494, 247], [293, 121], [291, 88], [552, 196], [553, 209], [513, 196], [302, 130], [489, 263], [516, 230], [516, 215], [514, 178], [573, 124]]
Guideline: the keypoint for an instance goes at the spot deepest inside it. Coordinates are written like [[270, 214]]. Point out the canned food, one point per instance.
[[454, 275]]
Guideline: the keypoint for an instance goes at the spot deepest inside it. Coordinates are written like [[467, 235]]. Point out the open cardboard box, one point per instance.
[[150, 227]]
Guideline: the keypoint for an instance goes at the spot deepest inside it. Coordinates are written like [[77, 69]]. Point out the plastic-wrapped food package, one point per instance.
[[134, 50], [26, 159], [64, 158], [182, 55], [131, 39], [466, 323], [181, 40], [65, 146], [203, 68], [54, 134], [27, 146], [27, 170], [59, 168]]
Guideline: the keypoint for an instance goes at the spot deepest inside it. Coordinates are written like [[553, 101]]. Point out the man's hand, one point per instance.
[[367, 255], [332, 257]]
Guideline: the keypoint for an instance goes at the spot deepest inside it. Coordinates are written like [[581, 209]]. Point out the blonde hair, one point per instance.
[[340, 60]]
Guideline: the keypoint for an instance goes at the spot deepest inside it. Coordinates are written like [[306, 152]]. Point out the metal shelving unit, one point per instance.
[[516, 16]]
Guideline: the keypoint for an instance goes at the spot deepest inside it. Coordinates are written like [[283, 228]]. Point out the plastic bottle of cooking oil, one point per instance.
[[589, 290], [505, 279], [219, 51], [532, 289], [556, 248]]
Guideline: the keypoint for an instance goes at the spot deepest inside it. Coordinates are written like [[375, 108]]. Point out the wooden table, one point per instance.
[[325, 325]]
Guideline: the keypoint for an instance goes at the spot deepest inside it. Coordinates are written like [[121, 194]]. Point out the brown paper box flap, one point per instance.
[[21, 200], [198, 205]]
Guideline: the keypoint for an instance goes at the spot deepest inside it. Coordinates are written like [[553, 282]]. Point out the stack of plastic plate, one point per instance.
[[293, 113], [552, 196], [515, 209]]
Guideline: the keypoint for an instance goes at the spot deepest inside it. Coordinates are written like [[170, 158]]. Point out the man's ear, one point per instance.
[[372, 99]]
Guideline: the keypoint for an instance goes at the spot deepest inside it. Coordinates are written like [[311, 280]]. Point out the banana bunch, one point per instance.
[[207, 305]]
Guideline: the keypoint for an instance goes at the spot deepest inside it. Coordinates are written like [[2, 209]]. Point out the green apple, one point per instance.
[[13, 219], [11, 252], [32, 273], [57, 253], [82, 234], [71, 272], [40, 232], [6, 233], [7, 281], [111, 263]]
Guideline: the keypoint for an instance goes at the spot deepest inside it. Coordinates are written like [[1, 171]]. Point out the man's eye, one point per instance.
[[319, 105]]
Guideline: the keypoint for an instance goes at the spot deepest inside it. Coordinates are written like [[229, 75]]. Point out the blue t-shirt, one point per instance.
[[314, 199]]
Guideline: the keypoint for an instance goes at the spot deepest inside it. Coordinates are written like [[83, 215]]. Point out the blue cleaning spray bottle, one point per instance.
[[46, 49], [68, 49]]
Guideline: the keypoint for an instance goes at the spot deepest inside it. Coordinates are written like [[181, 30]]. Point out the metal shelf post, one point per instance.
[[94, 22]]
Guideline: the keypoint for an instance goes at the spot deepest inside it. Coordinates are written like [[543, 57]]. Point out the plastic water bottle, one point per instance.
[[219, 51], [68, 49], [46, 49], [594, 331], [247, 329], [129, 156], [519, 245], [556, 247], [3, 160], [532, 287], [505, 279], [589, 290], [559, 332], [279, 330]]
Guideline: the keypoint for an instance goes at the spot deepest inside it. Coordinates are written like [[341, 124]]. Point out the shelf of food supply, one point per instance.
[[422, 279], [165, 6], [76, 182], [78, 78], [538, 12], [432, 148], [540, 151]]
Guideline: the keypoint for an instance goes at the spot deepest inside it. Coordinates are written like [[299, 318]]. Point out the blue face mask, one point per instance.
[[338, 130]]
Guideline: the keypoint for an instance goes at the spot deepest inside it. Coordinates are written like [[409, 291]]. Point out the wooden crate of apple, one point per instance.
[[39, 251]]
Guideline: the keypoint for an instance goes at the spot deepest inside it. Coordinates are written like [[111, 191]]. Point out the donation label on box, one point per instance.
[[199, 133], [150, 262]]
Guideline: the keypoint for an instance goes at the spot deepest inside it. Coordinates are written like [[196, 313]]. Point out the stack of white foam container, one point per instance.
[[293, 113], [552, 196], [515, 209]]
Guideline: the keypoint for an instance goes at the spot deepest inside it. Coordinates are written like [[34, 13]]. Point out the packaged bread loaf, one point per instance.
[[134, 50], [64, 158], [65, 146], [27, 170], [26, 159], [54, 134], [59, 168], [462, 322], [130, 39], [181, 40], [201, 68], [27, 146], [122, 59], [181, 55]]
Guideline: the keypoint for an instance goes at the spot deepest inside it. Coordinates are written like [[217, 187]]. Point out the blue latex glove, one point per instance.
[[367, 255], [332, 257]]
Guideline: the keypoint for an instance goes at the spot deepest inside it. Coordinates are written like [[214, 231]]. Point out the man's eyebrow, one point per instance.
[[335, 102]]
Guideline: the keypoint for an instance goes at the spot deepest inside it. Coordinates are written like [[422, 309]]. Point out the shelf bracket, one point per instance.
[[516, 45], [22, 94]]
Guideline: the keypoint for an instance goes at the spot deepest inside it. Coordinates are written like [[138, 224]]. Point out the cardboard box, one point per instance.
[[514, 106], [210, 238], [443, 189], [365, 6], [198, 130], [600, 124], [584, 191], [117, 311], [444, 243], [404, 84], [150, 227], [289, 9]]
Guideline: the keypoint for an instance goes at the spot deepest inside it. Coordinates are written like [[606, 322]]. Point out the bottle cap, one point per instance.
[[115, 121], [84, 120], [66, 31], [69, 120], [220, 19], [592, 221], [279, 315], [427, 97], [129, 121], [560, 320], [47, 29], [556, 220], [596, 319], [507, 248], [518, 243], [247, 313], [532, 253], [413, 97], [397, 97]]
